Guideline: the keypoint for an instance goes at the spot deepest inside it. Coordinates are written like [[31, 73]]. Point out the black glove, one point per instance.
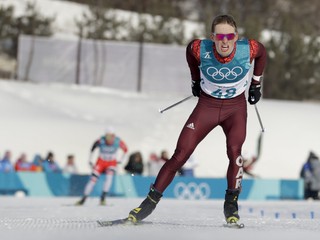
[[254, 93], [195, 85]]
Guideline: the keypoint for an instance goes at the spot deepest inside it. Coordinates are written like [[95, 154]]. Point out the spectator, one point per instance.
[[164, 156], [154, 164], [310, 173], [188, 168], [70, 166], [135, 164], [5, 163], [49, 165], [37, 162], [23, 165]]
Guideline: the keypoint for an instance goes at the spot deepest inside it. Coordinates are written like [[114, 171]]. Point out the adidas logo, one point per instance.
[[191, 126]]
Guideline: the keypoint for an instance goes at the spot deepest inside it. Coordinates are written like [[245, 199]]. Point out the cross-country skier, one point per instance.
[[108, 145], [220, 71]]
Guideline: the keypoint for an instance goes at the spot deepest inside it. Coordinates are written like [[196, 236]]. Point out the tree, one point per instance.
[[99, 24], [31, 23], [7, 30], [292, 71]]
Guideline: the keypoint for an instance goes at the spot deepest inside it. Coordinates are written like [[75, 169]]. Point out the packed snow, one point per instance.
[[57, 218]]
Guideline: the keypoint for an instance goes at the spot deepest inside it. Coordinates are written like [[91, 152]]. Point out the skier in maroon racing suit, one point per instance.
[[220, 70]]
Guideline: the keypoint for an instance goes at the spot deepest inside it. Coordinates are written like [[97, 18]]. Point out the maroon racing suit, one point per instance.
[[210, 112]]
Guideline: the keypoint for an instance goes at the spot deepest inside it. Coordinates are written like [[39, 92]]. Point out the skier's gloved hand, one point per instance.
[[195, 85], [254, 93]]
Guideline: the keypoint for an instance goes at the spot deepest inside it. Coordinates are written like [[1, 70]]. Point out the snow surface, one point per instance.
[[57, 218], [67, 119]]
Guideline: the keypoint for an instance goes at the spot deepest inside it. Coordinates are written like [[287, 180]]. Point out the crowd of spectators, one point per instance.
[[46, 164], [134, 166]]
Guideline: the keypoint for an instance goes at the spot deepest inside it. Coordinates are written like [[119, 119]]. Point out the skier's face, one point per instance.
[[224, 38], [110, 138]]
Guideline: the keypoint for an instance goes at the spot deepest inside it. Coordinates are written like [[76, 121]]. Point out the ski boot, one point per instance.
[[146, 207], [231, 206], [103, 199], [81, 201]]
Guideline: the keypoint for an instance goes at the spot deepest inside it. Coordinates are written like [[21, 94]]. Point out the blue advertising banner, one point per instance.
[[57, 184]]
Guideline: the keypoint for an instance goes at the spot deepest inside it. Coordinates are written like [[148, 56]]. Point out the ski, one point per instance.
[[234, 225], [122, 221], [127, 222], [76, 205]]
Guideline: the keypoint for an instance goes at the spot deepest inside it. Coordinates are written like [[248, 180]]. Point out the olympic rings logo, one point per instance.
[[192, 191], [224, 73]]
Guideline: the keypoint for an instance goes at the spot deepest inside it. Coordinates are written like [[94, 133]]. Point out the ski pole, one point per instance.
[[259, 118], [175, 104]]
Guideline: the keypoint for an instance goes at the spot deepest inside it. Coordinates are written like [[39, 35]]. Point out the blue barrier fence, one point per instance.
[[55, 184]]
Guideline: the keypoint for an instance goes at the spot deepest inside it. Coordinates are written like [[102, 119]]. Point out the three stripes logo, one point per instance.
[[191, 126]]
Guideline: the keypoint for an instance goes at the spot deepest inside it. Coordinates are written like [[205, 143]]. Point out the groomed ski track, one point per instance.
[[57, 219]]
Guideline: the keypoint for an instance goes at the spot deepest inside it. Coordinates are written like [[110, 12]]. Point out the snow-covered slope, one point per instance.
[[36, 118]]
